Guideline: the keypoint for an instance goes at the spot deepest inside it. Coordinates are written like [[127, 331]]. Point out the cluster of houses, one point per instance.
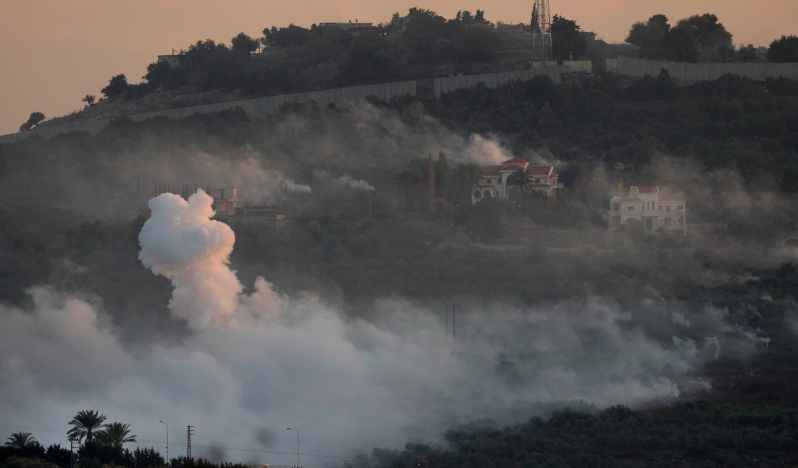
[[644, 205]]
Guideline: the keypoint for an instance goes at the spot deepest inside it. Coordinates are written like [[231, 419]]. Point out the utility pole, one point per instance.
[[167, 441], [75, 446], [454, 327], [189, 433], [297, 446]]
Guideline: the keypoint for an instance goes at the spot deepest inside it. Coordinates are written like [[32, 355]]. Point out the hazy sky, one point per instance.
[[55, 52]]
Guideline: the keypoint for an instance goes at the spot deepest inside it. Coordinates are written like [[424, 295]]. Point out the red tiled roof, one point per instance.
[[481, 186], [513, 167], [647, 189], [515, 161], [490, 170], [526, 223], [540, 170]]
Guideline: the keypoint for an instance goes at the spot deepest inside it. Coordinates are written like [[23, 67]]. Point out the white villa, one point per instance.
[[494, 179], [646, 205]]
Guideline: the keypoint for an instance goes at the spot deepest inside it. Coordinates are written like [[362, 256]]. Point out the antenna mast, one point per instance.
[[541, 31]]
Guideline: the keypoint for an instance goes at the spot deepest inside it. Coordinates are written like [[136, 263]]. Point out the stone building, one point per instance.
[[646, 205]]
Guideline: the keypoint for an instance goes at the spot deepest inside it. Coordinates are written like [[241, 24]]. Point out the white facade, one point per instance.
[[494, 183], [653, 210]]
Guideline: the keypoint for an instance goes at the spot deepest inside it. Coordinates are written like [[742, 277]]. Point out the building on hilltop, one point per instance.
[[494, 184], [646, 205], [173, 60], [226, 201]]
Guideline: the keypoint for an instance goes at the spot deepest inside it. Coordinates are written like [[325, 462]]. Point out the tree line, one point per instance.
[[100, 445]]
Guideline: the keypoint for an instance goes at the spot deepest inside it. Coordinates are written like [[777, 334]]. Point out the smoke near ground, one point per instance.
[[254, 364]]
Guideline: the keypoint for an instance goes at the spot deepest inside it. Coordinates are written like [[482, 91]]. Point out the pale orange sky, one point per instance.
[[53, 52]]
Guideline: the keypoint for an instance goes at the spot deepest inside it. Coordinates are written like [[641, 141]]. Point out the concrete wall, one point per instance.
[[494, 80], [696, 72], [584, 66], [256, 108]]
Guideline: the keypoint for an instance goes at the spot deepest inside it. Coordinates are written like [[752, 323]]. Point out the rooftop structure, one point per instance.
[[349, 25], [494, 183], [645, 204]]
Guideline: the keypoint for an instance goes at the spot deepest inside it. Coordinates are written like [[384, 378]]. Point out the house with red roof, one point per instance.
[[645, 204], [494, 183]]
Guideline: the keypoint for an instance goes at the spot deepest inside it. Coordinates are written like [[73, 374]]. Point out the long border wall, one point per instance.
[[259, 107], [696, 72], [494, 80]]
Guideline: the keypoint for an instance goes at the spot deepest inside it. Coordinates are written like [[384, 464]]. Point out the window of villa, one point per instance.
[[680, 207], [616, 206], [668, 208], [631, 208]]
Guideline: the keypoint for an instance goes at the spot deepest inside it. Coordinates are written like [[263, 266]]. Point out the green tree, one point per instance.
[[467, 175], [408, 180], [520, 179], [442, 173], [706, 30], [115, 434], [84, 424], [784, 49], [286, 37], [746, 53], [34, 120], [431, 176], [651, 34], [157, 73], [658, 41], [566, 42], [116, 86], [244, 45], [21, 440]]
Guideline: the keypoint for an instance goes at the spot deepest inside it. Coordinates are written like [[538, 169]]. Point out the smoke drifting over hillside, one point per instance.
[[265, 361]]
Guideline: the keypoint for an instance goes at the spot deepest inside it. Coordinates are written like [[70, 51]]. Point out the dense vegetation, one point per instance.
[[691, 434], [729, 123], [418, 45]]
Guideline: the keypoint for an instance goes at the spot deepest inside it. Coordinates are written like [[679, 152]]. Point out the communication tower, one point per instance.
[[189, 433], [541, 31]]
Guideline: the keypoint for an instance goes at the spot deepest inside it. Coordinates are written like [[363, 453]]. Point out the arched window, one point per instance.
[[477, 194], [667, 221], [487, 194]]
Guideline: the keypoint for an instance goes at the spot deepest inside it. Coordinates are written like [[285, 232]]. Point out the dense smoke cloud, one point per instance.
[[257, 363]]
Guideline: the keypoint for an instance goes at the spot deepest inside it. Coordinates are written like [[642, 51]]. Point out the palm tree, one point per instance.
[[21, 440], [115, 434], [520, 179], [84, 424]]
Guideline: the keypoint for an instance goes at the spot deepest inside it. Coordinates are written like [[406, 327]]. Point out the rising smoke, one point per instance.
[[256, 359], [257, 363]]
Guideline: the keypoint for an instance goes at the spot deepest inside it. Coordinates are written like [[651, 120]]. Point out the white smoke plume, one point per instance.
[[345, 180], [267, 361], [182, 243]]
